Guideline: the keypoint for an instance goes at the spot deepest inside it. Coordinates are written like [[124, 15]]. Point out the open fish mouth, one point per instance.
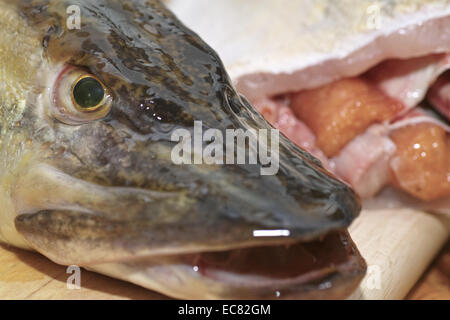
[[75, 222], [328, 268], [241, 262]]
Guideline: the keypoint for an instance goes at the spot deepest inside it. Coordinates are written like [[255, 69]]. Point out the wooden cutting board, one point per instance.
[[398, 246], [435, 283]]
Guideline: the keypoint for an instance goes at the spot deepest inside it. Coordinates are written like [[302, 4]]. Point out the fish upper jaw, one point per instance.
[[72, 221]]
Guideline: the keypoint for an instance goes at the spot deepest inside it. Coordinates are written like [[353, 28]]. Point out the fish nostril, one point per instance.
[[244, 100], [233, 100], [166, 127]]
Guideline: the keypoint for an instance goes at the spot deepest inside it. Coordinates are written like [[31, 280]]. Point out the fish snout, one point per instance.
[[156, 206]]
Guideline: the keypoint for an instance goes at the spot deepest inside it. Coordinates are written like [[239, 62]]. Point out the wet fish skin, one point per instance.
[[107, 190]]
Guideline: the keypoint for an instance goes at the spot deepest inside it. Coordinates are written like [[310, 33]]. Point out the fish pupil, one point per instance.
[[88, 92]]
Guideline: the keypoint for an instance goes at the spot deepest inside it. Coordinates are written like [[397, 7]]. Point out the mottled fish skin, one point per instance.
[[107, 190]]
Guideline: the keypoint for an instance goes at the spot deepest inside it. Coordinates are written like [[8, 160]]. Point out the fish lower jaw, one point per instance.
[[322, 269]]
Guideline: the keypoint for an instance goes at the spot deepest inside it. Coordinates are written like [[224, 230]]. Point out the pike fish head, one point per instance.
[[96, 182]]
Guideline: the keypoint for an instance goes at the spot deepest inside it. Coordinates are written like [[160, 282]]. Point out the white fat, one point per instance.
[[409, 80], [364, 162], [390, 198], [271, 47], [421, 118]]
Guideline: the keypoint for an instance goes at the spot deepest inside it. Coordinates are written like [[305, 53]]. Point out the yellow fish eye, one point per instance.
[[79, 97], [88, 94]]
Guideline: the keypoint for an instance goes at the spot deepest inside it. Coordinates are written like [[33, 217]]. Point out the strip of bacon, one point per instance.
[[367, 161], [364, 162], [439, 95], [408, 80]]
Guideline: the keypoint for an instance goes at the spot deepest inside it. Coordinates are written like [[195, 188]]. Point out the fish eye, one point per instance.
[[88, 93], [79, 97]]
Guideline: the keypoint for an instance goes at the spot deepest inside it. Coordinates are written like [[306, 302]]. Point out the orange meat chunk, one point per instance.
[[341, 110], [421, 165]]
